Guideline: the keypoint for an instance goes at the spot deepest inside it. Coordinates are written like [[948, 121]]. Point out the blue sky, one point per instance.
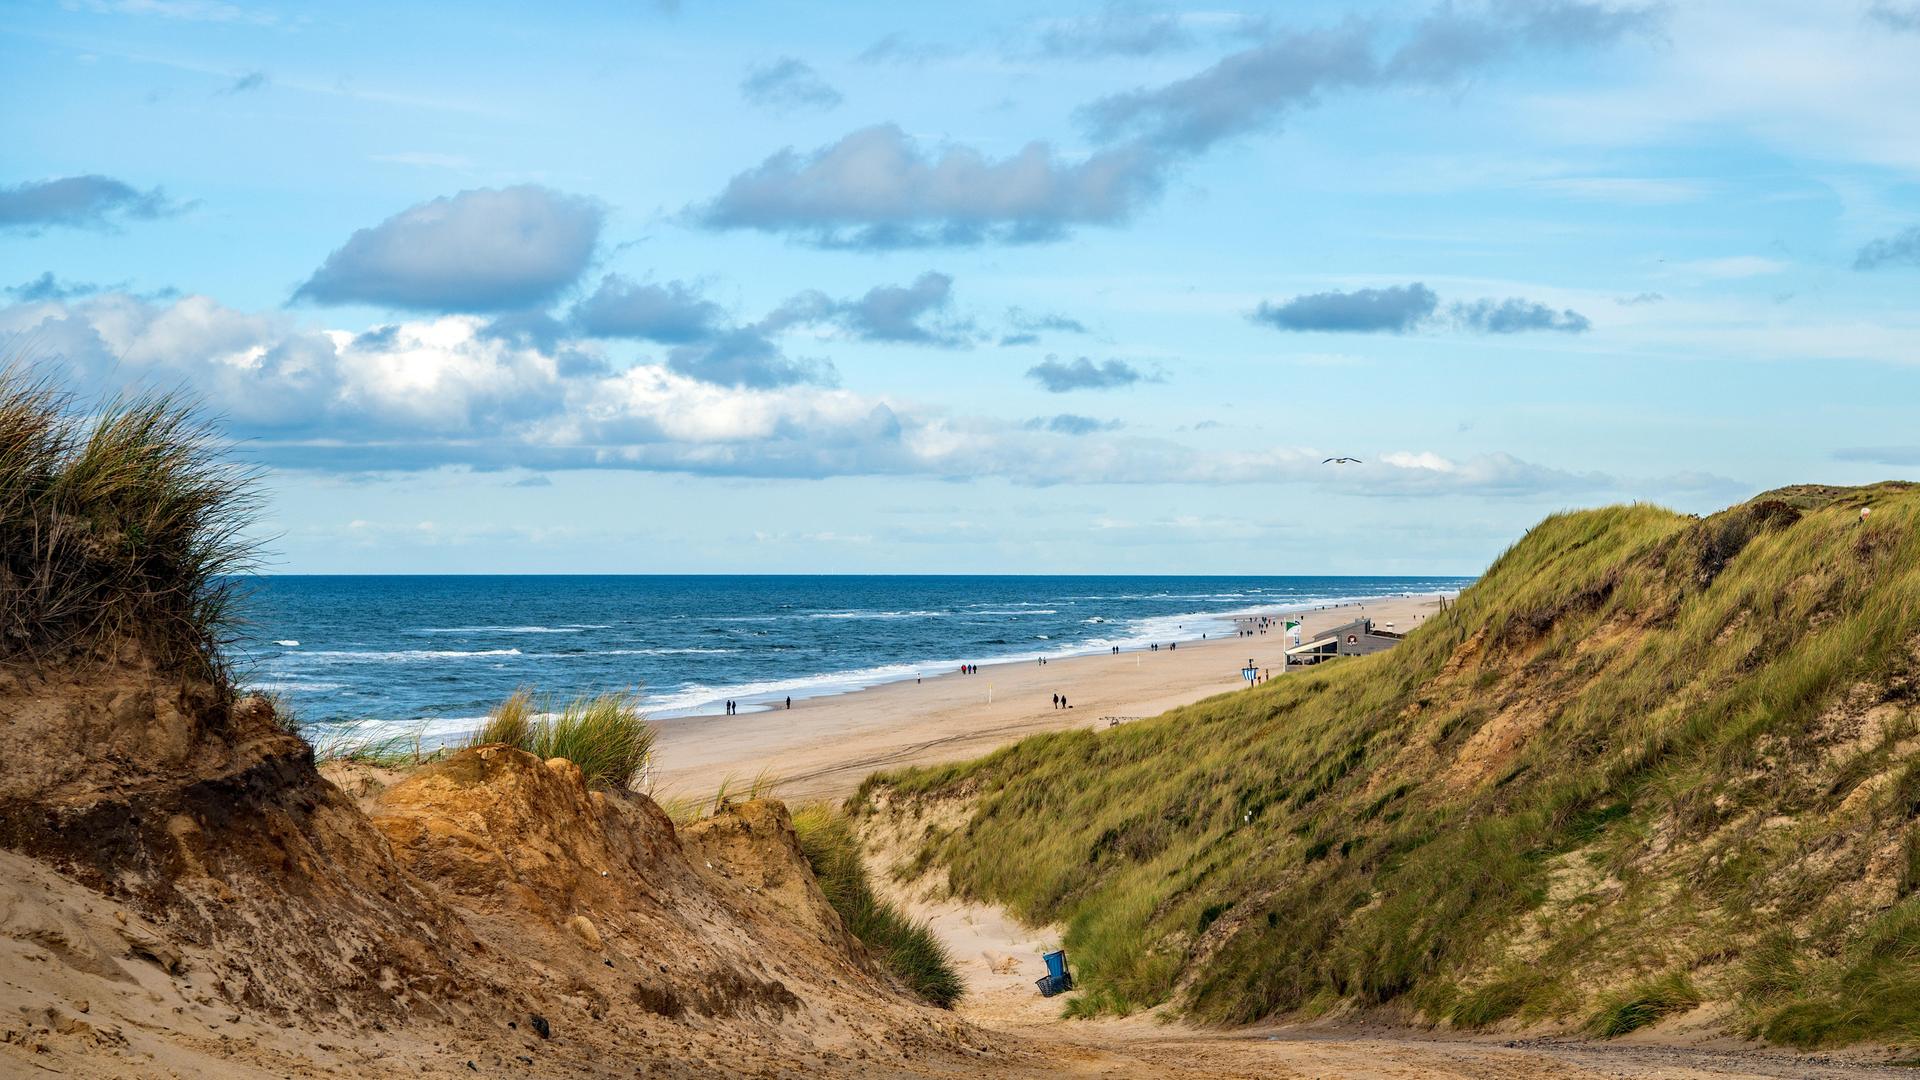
[[631, 287]]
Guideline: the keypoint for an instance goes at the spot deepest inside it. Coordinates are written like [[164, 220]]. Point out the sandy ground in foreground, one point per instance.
[[824, 747]]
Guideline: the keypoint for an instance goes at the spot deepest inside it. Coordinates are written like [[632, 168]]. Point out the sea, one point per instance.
[[428, 656]]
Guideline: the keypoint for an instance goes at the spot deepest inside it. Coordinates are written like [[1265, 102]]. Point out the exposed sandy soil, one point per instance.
[[824, 747], [182, 894]]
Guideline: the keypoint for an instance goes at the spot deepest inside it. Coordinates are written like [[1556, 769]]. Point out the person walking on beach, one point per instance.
[[1056, 701], [789, 701]]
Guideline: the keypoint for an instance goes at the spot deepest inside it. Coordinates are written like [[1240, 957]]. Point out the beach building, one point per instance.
[[1357, 638]]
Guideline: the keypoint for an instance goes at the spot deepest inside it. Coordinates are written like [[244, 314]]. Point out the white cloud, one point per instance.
[[444, 391]]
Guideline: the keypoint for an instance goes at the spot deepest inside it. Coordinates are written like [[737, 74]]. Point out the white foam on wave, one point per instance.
[[696, 697], [288, 644], [432, 731], [687, 651], [405, 655], [879, 614], [291, 684], [570, 628]]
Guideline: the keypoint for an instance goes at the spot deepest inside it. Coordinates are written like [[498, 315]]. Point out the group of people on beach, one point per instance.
[[969, 669], [733, 707], [1060, 702]]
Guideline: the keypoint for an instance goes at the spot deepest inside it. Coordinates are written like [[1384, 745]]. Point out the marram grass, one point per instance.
[[908, 948], [606, 734], [123, 526], [1646, 760]]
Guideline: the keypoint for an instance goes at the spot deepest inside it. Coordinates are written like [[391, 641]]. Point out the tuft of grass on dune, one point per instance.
[[510, 722], [1642, 743], [122, 529], [357, 743], [1643, 1003], [907, 948], [606, 734]]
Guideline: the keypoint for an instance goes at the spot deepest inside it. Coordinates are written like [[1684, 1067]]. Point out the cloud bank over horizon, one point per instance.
[[442, 392]]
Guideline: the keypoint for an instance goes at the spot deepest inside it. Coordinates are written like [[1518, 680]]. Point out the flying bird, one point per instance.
[[1343, 461]]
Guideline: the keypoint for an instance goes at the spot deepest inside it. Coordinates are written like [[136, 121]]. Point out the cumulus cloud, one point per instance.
[[747, 356], [878, 188], [1902, 247], [1260, 87], [750, 354], [904, 313], [1395, 309], [1515, 315], [478, 251], [1640, 298], [1119, 28], [80, 202], [1401, 309], [1071, 424], [788, 83], [442, 391], [674, 313], [48, 287], [1060, 376]]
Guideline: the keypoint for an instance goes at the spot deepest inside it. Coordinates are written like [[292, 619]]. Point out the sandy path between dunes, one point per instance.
[[999, 959], [823, 747]]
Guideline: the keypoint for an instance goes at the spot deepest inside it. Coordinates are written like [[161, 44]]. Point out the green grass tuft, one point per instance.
[[1642, 1004], [605, 734], [1494, 1002], [122, 527], [907, 948], [355, 743], [510, 722]]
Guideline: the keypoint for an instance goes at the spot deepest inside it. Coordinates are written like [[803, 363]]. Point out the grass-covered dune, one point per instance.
[[1648, 761]]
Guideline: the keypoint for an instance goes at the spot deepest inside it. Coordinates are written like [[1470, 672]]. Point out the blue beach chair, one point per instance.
[[1059, 978]]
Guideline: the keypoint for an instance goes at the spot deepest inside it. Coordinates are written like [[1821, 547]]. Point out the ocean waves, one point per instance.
[[434, 653]]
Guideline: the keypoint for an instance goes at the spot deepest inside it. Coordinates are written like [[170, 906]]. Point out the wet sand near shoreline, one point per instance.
[[824, 747]]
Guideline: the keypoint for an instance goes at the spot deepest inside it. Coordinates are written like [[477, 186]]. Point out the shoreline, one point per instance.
[[1211, 627], [758, 697], [824, 746]]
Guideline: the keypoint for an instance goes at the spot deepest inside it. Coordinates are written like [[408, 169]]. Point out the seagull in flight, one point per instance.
[[1343, 461]]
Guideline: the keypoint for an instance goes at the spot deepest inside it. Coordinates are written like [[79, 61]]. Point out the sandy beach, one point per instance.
[[823, 747]]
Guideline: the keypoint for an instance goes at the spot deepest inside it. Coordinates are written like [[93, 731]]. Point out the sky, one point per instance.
[[706, 287]]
